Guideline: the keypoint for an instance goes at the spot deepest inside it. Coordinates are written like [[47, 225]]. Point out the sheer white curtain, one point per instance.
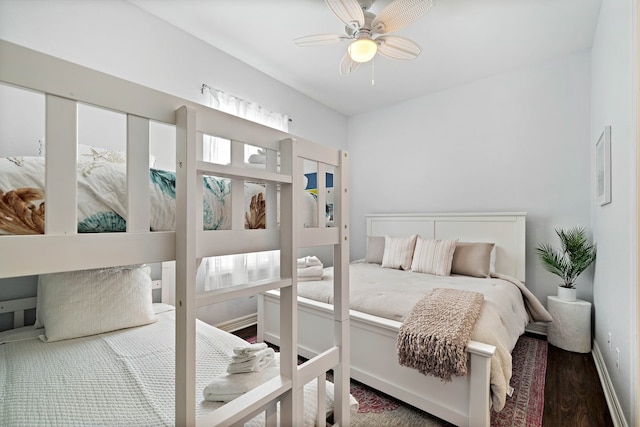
[[218, 150], [236, 269]]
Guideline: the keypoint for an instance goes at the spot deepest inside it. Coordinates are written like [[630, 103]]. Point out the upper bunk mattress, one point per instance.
[[102, 198]]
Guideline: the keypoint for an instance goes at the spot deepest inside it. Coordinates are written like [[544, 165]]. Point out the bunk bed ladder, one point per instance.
[[341, 293], [192, 243]]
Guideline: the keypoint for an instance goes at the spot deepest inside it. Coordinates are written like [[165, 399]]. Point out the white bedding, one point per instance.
[[392, 293], [119, 378]]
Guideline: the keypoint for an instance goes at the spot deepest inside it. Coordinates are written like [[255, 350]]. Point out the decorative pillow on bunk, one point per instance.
[[375, 249], [433, 256], [89, 156], [88, 302], [472, 259], [398, 252]]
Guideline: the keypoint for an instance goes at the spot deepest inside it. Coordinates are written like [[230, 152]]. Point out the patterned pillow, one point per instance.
[[90, 157], [433, 256], [398, 252]]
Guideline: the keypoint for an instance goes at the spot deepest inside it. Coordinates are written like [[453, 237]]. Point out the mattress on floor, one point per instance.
[[120, 378]]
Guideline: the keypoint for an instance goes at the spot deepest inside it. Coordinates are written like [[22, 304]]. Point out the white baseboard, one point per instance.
[[239, 323], [617, 415], [538, 328]]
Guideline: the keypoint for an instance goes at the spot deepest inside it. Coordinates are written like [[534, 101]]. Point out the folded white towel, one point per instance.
[[311, 273], [309, 261], [254, 363], [229, 386], [249, 348]]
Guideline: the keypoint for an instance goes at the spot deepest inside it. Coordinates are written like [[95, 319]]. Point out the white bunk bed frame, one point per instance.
[[466, 400], [61, 248]]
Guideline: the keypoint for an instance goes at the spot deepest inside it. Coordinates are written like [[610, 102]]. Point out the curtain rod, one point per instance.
[[206, 86]]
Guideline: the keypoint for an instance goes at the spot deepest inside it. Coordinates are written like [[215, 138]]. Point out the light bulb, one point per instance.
[[363, 50]]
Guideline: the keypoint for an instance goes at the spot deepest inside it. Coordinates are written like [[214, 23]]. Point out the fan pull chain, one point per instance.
[[373, 72]]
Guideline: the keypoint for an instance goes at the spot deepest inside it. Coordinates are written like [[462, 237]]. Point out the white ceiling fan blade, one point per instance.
[[348, 11], [396, 47], [348, 65], [399, 14], [319, 39]]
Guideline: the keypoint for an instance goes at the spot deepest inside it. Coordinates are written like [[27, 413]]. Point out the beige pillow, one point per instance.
[[472, 259], [88, 302], [398, 252], [375, 249], [433, 256]]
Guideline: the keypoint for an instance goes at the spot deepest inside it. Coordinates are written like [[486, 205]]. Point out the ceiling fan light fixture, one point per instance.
[[363, 50]]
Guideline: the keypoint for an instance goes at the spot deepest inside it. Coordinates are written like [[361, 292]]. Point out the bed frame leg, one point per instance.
[[479, 391], [261, 318]]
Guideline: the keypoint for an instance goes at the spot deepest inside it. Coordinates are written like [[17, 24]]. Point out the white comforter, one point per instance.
[[123, 378], [391, 294]]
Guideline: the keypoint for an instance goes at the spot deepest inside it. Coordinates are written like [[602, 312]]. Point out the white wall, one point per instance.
[[512, 142], [614, 77], [118, 38]]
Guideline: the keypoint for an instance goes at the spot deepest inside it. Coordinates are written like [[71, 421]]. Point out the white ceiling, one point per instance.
[[461, 40]]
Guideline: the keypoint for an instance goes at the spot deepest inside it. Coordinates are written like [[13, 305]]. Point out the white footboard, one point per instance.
[[464, 402]]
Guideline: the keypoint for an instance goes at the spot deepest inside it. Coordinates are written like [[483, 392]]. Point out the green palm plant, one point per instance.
[[575, 255]]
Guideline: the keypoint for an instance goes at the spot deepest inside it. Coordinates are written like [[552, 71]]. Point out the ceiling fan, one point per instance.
[[368, 33]]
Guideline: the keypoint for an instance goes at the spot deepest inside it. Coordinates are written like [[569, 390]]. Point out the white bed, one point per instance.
[[376, 319], [114, 378], [62, 250]]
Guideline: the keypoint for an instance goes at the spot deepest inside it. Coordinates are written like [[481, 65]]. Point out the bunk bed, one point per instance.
[[75, 263], [382, 299]]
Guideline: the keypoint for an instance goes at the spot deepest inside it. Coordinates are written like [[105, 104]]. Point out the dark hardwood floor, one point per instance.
[[573, 395]]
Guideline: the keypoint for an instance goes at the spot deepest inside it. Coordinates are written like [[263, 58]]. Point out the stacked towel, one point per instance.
[[229, 386], [310, 268], [250, 358], [309, 261]]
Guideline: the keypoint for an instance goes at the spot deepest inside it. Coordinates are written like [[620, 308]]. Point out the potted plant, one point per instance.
[[576, 254]]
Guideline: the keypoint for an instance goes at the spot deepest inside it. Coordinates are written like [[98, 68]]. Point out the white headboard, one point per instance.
[[505, 229]]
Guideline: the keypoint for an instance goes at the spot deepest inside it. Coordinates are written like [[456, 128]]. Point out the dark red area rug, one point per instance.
[[524, 408]]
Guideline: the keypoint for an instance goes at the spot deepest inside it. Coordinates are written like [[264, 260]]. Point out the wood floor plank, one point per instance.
[[573, 394]]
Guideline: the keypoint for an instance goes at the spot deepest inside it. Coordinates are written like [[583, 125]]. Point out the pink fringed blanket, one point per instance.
[[434, 336]]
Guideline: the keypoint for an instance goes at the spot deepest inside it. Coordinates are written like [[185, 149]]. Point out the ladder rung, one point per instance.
[[238, 291], [309, 237], [227, 171], [320, 364], [248, 404], [229, 242]]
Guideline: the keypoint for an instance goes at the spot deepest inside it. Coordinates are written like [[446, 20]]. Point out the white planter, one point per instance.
[[566, 294]]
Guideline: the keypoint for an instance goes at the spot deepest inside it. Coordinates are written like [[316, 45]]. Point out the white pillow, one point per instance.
[[433, 256], [398, 252], [88, 302], [492, 260], [375, 249]]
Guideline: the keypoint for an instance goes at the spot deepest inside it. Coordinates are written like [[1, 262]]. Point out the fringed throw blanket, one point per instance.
[[434, 336]]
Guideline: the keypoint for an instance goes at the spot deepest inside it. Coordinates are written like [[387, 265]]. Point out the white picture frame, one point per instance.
[[603, 167]]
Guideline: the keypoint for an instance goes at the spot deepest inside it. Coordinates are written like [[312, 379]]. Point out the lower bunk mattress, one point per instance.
[[124, 377], [507, 308]]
